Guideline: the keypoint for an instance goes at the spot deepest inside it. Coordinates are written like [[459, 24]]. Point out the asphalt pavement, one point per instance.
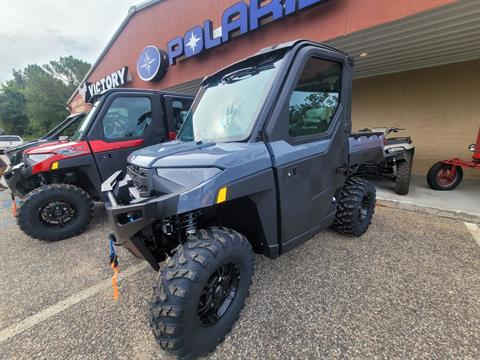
[[409, 288]]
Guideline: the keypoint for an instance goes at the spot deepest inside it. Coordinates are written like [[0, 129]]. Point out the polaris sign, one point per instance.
[[238, 19]]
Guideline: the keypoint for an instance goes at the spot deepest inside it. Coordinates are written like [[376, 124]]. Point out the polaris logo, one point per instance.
[[238, 19]]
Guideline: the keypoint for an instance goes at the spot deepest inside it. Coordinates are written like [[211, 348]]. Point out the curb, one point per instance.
[[446, 213]]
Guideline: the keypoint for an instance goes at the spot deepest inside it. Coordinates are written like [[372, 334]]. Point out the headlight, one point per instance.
[[36, 158], [188, 176], [395, 149]]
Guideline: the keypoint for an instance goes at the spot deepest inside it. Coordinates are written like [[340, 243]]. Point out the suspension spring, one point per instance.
[[55, 177], [189, 222]]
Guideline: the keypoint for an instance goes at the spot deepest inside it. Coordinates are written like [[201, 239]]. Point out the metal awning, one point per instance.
[[444, 35]]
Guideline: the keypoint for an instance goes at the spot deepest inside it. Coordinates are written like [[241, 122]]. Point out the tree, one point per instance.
[[13, 115], [48, 87], [35, 99]]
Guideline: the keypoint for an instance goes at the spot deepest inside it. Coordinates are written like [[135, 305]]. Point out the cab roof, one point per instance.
[[272, 49]]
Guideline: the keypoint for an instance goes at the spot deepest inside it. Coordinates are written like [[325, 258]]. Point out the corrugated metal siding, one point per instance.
[[444, 35], [190, 87]]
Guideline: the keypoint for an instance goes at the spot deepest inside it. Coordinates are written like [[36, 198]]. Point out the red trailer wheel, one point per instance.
[[443, 176]]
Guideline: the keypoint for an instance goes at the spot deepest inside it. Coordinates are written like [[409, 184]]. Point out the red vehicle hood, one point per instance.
[[66, 148]]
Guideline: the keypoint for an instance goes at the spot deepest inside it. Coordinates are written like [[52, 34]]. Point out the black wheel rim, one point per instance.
[[57, 213], [364, 208], [218, 294]]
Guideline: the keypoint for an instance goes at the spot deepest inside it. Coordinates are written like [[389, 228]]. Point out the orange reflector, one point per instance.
[[54, 165], [222, 195], [114, 281]]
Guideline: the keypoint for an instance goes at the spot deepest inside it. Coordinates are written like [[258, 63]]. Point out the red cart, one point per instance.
[[447, 174]]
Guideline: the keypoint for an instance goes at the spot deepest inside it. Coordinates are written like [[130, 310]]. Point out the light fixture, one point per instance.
[[364, 54]]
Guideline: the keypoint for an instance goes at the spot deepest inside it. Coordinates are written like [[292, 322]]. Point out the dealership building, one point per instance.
[[417, 62]]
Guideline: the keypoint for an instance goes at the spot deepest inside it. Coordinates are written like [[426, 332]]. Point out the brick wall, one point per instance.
[[439, 106]]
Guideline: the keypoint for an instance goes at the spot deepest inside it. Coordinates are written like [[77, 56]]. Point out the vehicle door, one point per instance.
[[176, 110], [312, 152], [126, 122]]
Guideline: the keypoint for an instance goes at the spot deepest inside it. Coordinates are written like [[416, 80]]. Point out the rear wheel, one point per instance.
[[402, 180], [201, 292], [441, 177], [55, 212], [355, 208]]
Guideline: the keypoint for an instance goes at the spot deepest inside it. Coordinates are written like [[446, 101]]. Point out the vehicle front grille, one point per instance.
[[140, 179]]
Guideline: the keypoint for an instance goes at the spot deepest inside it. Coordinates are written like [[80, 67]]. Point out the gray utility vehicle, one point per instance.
[[262, 163]]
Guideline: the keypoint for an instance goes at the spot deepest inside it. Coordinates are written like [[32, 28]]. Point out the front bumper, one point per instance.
[[128, 220], [16, 178]]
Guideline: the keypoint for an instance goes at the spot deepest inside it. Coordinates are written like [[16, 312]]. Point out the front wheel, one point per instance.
[[355, 207], [55, 212], [201, 292], [442, 177], [402, 180]]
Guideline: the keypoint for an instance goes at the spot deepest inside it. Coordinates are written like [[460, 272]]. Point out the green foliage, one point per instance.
[[13, 116], [34, 101]]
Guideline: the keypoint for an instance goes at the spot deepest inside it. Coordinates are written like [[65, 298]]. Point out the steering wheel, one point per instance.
[[115, 125]]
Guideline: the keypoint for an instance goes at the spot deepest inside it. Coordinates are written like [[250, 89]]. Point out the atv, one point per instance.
[[448, 174], [397, 161], [59, 181], [263, 162]]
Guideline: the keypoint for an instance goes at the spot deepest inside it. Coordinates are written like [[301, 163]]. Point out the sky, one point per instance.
[[36, 31]]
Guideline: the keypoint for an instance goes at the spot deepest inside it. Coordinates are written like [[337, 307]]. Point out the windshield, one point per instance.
[[83, 128], [71, 128], [226, 109], [65, 128]]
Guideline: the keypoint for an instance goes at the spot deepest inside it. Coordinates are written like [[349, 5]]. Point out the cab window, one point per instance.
[[315, 98], [180, 109], [127, 117]]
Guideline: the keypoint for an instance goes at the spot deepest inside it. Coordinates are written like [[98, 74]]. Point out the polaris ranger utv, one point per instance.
[[263, 162], [58, 181], [64, 130]]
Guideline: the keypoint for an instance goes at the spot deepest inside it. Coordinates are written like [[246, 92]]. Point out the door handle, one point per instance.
[[291, 172]]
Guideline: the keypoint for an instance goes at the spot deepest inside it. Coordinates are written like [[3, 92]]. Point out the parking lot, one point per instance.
[[408, 288]]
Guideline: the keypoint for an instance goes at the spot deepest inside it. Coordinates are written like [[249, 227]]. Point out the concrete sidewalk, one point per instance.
[[461, 203]]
